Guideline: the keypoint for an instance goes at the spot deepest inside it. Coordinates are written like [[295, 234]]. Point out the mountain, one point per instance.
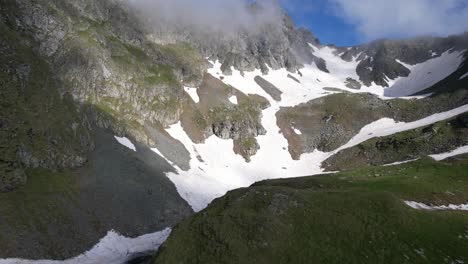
[[113, 118]]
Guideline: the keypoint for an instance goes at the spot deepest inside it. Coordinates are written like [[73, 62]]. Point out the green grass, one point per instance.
[[354, 217]]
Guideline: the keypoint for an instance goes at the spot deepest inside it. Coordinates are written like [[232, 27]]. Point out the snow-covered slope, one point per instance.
[[221, 170], [426, 74], [216, 169]]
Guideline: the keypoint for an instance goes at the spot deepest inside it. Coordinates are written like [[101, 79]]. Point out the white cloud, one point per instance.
[[404, 18], [209, 15]]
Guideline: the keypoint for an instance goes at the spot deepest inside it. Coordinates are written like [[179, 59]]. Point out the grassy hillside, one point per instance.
[[352, 217]]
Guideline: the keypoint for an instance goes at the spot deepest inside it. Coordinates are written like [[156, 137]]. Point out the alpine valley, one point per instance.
[[123, 132]]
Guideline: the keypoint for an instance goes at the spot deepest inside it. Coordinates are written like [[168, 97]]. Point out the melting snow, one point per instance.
[[455, 152], [126, 142], [112, 249], [193, 93], [422, 206], [426, 74]]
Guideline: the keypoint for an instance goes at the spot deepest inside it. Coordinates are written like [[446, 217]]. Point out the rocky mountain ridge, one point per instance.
[[273, 103]]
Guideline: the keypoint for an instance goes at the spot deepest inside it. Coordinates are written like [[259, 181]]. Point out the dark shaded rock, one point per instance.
[[118, 189], [353, 84]]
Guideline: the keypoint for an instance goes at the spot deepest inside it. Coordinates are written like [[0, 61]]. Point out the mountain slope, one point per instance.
[[353, 217], [205, 111]]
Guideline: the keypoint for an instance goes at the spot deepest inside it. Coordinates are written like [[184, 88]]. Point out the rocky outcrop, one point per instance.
[[269, 88], [276, 44], [352, 84]]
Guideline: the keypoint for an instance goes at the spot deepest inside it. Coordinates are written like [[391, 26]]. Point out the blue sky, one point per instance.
[[352, 22], [320, 18]]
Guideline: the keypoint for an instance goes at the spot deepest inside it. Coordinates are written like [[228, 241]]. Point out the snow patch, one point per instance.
[[297, 131], [422, 206], [455, 152], [233, 99], [112, 249], [126, 142], [464, 76], [193, 93], [426, 74], [400, 162], [408, 66]]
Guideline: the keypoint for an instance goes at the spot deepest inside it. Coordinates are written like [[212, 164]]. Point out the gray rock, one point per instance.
[[269, 88]]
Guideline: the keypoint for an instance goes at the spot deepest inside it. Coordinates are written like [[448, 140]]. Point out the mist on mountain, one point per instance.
[[226, 18]]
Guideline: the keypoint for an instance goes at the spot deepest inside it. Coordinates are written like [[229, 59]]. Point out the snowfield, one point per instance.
[[221, 170], [112, 249], [426, 74]]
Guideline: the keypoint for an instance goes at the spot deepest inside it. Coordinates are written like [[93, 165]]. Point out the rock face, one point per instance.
[[437, 138], [220, 117], [101, 54], [39, 126], [277, 44]]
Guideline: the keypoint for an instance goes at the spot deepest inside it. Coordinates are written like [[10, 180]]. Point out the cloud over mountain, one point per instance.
[[403, 18]]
